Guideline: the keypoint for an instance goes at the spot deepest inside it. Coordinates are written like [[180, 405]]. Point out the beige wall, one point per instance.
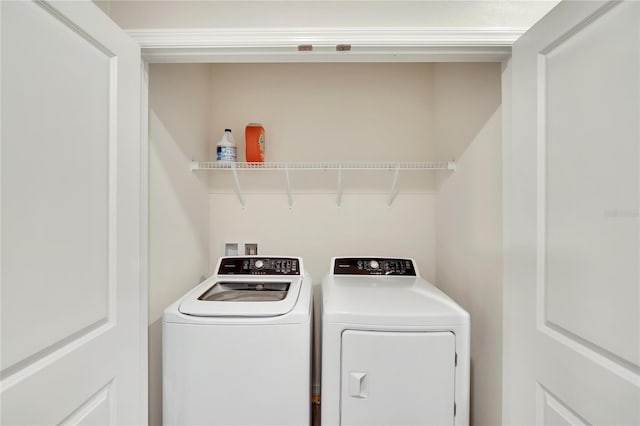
[[468, 127], [104, 5], [318, 112], [334, 112], [179, 109], [327, 112], [326, 13]]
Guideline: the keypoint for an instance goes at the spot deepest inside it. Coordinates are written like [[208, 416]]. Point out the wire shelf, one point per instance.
[[341, 166], [315, 165]]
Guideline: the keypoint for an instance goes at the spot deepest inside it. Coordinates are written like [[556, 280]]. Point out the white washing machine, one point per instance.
[[237, 348], [395, 349]]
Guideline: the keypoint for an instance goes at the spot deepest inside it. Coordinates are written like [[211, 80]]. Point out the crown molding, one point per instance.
[[278, 37], [281, 44]]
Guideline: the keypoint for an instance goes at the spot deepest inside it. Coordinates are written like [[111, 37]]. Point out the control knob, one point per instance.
[[259, 264], [374, 264]]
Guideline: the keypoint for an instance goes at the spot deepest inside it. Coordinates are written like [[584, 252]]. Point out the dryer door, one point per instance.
[[399, 378]]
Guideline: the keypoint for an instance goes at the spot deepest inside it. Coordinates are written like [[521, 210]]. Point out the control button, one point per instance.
[[259, 264], [374, 264]]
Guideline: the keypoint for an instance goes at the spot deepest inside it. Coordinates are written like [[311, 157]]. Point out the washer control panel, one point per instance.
[[373, 266], [259, 266]]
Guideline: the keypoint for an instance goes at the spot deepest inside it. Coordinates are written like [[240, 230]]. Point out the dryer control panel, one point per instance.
[[373, 266], [259, 266]]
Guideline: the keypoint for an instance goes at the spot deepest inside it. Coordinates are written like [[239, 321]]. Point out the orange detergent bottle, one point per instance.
[[254, 143]]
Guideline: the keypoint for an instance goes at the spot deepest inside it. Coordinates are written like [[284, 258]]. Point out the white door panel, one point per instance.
[[56, 201], [572, 284], [590, 196], [71, 225]]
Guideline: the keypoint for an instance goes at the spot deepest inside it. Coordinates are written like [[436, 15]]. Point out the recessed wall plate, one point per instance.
[[231, 248], [251, 248]]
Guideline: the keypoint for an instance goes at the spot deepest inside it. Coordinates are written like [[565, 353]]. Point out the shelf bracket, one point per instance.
[[289, 195], [339, 192], [237, 187], [393, 192]]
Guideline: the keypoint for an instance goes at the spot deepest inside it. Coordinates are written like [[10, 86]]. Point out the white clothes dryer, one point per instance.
[[237, 348], [395, 349]]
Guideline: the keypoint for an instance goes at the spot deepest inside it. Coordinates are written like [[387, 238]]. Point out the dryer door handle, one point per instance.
[[357, 384]]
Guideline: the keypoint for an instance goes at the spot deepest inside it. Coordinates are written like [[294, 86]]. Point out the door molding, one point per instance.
[[144, 236], [380, 44]]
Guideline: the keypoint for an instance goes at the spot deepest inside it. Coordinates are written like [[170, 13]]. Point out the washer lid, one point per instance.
[[238, 296]]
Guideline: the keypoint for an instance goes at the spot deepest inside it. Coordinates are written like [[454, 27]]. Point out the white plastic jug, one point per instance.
[[226, 149]]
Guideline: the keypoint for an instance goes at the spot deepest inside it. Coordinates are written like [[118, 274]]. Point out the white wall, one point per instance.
[[468, 127], [327, 13], [179, 109]]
